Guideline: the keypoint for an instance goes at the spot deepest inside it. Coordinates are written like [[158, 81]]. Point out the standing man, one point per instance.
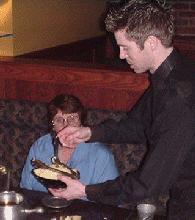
[[163, 119]]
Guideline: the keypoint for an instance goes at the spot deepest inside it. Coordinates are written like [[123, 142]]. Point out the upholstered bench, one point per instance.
[[22, 122]]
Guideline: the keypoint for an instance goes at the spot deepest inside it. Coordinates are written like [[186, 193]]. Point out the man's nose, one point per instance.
[[123, 54]]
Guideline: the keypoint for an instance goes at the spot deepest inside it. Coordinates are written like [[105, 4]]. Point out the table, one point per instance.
[[88, 210], [133, 216]]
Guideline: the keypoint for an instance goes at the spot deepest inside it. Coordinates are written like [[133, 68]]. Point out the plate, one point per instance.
[[56, 184], [55, 202], [52, 171]]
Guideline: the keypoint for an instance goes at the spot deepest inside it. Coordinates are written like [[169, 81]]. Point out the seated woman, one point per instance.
[[93, 160]]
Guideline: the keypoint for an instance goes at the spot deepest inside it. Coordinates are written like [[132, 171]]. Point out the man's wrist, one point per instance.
[[84, 190], [95, 133], [89, 132], [91, 191]]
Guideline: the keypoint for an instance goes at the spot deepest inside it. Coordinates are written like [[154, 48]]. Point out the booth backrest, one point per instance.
[[22, 122]]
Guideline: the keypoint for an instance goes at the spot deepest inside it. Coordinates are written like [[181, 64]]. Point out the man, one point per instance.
[[163, 119]]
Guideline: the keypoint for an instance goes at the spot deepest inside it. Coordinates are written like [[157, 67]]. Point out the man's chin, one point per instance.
[[137, 71]]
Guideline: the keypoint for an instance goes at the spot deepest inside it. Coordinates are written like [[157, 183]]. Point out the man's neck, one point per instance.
[[160, 56]]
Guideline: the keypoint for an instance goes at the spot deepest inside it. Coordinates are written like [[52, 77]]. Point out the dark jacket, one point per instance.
[[164, 120]]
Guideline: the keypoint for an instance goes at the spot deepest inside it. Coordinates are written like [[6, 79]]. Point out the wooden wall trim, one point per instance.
[[97, 88]]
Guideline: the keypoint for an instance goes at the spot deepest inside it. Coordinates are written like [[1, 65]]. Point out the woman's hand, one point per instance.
[[70, 136], [75, 189]]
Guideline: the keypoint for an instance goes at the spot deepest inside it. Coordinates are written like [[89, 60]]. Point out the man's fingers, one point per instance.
[[64, 179], [72, 135]]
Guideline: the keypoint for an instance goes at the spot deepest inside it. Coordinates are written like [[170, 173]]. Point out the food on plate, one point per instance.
[[74, 217], [47, 173]]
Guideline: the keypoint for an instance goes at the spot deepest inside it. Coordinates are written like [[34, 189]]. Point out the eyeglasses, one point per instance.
[[71, 120]]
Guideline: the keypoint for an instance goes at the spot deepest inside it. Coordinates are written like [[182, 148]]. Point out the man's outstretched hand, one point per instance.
[[70, 136], [75, 189]]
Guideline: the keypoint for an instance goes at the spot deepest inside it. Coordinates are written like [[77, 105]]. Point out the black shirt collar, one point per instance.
[[159, 76]]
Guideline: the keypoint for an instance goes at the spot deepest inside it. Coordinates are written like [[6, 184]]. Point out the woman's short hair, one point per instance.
[[67, 104]]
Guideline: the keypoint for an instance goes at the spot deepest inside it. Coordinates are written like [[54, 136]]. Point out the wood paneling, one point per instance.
[[97, 88]]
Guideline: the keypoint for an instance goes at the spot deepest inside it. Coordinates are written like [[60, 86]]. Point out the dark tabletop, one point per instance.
[[87, 210]]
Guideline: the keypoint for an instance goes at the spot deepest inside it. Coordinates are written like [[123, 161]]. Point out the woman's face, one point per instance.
[[62, 120]]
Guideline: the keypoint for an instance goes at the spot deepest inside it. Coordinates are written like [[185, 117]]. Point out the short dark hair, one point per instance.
[[67, 104], [141, 19]]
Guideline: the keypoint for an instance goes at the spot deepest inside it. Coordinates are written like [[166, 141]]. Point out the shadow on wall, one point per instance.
[[2, 2]]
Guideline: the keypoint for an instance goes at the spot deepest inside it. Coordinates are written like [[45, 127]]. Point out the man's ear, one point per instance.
[[152, 42]]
